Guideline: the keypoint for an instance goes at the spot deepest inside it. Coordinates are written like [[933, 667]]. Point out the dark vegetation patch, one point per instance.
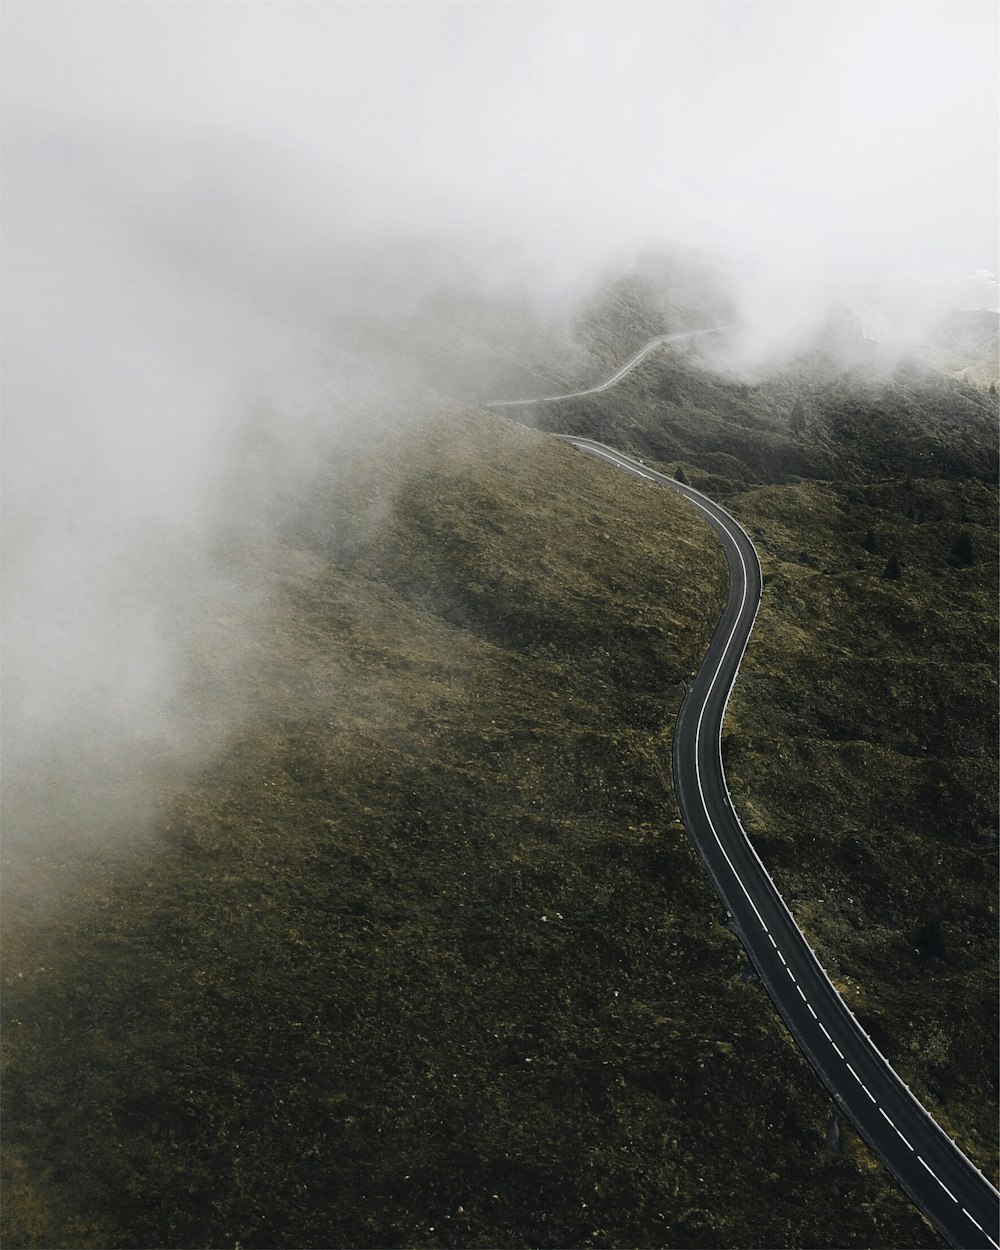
[[423, 957], [866, 724]]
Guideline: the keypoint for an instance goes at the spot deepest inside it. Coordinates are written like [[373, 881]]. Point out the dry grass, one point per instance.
[[423, 956]]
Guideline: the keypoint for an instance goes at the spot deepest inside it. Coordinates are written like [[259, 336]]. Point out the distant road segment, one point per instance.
[[619, 373]]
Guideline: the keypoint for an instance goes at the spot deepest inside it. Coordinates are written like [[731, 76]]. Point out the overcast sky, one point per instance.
[[203, 201], [833, 129]]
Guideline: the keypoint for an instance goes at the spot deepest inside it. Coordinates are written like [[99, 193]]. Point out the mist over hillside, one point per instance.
[[173, 384], [287, 615], [311, 221]]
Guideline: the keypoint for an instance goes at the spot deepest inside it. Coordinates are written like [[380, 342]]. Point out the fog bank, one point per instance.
[[305, 217]]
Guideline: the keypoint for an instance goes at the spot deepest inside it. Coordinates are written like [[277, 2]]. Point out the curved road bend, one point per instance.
[[938, 1177], [619, 373]]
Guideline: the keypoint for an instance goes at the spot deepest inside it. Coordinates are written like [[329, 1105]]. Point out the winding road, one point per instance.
[[653, 344], [934, 1172]]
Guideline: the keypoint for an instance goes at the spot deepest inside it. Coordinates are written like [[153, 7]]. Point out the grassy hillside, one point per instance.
[[862, 733], [863, 750], [423, 957]]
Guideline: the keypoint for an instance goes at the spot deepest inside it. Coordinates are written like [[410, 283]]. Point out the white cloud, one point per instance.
[[198, 200]]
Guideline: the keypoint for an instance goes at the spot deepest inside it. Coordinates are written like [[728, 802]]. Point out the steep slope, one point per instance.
[[424, 957], [862, 745]]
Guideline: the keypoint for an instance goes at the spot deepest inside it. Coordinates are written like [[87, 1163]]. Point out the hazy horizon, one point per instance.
[[853, 130], [217, 211]]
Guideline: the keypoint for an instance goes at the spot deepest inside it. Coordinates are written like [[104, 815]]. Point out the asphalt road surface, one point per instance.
[[938, 1177]]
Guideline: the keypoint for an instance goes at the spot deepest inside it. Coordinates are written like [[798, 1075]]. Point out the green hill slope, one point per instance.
[[862, 733], [423, 957]]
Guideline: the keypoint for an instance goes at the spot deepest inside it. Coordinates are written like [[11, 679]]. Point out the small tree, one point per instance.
[[961, 551], [681, 476], [870, 542], [797, 420], [931, 940], [893, 569]]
